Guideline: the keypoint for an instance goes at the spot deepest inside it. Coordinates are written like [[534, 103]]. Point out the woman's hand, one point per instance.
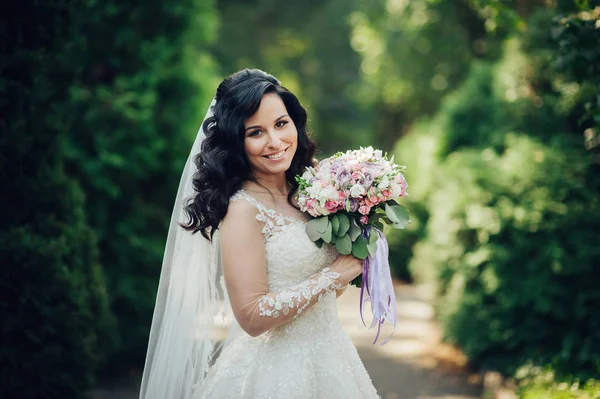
[[348, 267]]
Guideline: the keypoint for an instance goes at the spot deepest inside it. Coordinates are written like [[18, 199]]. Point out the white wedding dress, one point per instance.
[[310, 357]]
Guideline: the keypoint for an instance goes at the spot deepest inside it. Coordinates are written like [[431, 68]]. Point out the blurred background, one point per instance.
[[493, 106]]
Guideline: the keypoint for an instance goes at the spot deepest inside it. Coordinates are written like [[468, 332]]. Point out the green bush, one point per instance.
[[543, 383], [56, 327], [510, 246], [146, 81], [419, 151]]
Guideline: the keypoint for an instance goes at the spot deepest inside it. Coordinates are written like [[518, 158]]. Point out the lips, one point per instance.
[[277, 155]]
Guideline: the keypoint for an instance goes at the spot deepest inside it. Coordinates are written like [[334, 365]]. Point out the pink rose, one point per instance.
[[367, 202], [374, 200], [355, 176], [364, 210], [402, 182], [342, 195], [331, 206], [364, 219], [386, 193]]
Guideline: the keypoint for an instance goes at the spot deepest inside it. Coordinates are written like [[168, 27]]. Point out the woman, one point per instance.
[[280, 286]]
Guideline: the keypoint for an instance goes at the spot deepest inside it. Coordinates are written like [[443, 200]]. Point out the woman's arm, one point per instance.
[[244, 266]]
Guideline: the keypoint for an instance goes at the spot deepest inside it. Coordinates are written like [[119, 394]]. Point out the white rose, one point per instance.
[[384, 183], [378, 154], [314, 190], [302, 200], [320, 209], [395, 189], [357, 190], [307, 175], [329, 193]]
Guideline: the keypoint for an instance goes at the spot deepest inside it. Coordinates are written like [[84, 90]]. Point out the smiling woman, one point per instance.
[[286, 339], [271, 138], [254, 119]]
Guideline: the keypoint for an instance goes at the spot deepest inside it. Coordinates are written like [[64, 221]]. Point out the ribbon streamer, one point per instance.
[[377, 284]]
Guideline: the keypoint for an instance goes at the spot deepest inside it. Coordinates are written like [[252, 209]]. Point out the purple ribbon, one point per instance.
[[377, 282]]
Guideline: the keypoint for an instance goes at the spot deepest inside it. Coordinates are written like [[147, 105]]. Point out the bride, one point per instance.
[[252, 259]]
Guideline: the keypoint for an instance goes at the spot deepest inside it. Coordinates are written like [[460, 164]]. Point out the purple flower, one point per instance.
[[342, 176], [353, 205], [367, 180]]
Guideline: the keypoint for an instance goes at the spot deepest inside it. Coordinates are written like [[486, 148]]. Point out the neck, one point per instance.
[[275, 184]]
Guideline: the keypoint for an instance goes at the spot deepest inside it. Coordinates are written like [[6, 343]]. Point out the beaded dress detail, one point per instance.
[[309, 357]]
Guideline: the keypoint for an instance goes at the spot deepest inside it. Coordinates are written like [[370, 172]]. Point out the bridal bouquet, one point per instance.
[[351, 195]]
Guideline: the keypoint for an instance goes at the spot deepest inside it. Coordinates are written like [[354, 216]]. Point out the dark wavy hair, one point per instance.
[[222, 164]]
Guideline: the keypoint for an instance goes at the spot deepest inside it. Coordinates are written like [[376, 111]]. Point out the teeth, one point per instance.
[[276, 156]]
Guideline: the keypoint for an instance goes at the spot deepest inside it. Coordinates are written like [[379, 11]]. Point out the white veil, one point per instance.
[[190, 301]]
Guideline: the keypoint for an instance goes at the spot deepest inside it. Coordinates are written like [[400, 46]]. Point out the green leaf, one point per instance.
[[375, 218], [335, 224], [373, 236], [344, 225], [311, 230], [326, 236], [334, 239], [379, 225], [359, 248], [321, 223], [319, 243], [354, 230], [372, 248], [398, 215], [391, 214], [344, 245]]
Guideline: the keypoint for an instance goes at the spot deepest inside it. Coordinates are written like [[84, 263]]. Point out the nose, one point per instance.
[[274, 141]]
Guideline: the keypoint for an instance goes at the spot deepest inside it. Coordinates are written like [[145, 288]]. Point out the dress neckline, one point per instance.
[[271, 210]]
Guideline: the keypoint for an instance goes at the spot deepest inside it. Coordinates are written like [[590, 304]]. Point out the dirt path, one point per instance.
[[413, 364]]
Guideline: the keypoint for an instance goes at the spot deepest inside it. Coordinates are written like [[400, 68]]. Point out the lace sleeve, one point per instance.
[[272, 309], [300, 296]]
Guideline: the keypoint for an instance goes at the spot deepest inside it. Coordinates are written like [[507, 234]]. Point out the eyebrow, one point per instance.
[[256, 126]]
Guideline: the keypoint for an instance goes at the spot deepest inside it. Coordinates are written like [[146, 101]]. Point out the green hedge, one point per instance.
[[146, 81], [543, 383], [510, 246], [56, 326]]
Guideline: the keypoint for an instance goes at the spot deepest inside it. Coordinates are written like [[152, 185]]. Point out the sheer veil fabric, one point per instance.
[[191, 299]]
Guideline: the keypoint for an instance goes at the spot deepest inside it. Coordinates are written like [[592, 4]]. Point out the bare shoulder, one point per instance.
[[241, 234], [240, 219]]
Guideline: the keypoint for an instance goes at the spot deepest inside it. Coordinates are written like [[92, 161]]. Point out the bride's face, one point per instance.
[[271, 137]]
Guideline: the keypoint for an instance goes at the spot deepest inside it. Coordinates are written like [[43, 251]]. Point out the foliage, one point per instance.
[[575, 59], [56, 325], [538, 383], [506, 237], [510, 241], [305, 45], [146, 81], [413, 53]]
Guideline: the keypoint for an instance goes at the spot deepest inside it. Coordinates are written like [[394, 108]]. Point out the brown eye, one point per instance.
[[281, 124], [254, 133]]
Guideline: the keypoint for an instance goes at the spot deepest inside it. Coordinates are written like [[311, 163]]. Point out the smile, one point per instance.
[[276, 156]]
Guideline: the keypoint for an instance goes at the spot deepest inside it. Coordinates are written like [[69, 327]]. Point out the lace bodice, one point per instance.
[[274, 222], [291, 256]]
